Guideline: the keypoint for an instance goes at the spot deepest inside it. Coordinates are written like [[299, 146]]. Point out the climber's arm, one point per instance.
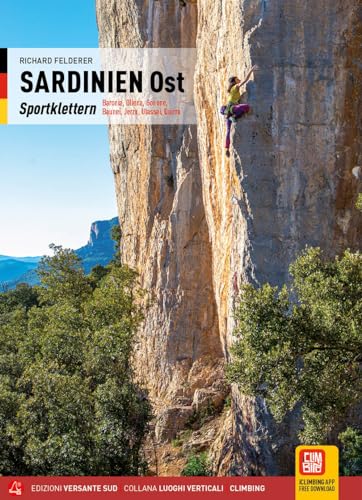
[[248, 76]]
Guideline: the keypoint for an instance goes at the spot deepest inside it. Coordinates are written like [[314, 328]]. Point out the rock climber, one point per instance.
[[234, 108]]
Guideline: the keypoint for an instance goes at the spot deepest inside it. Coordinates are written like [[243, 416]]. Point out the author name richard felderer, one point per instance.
[[57, 108]]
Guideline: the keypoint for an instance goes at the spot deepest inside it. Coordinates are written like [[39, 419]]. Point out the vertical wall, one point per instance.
[[289, 181], [164, 231], [196, 224]]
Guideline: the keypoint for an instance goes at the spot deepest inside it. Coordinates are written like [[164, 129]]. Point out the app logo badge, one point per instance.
[[312, 462]]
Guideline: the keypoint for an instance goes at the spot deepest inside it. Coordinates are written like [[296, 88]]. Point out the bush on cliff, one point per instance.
[[68, 402], [303, 345], [351, 463], [197, 465]]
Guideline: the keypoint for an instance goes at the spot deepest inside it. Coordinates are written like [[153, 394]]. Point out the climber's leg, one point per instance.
[[237, 112], [240, 109], [227, 142]]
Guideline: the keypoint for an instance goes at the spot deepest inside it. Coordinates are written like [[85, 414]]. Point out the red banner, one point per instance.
[[149, 488]]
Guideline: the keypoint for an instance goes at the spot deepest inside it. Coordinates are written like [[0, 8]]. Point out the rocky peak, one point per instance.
[[100, 231]]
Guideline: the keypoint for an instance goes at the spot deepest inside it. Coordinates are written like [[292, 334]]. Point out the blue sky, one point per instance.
[[54, 180]]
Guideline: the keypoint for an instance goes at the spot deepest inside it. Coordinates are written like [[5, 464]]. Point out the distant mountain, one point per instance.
[[21, 259], [100, 247], [98, 251], [13, 267]]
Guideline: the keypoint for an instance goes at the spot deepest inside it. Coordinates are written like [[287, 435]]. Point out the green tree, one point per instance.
[[23, 296], [351, 457], [303, 345], [68, 403], [62, 278], [116, 235]]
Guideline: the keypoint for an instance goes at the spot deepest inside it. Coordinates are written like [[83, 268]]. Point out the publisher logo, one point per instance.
[[16, 488], [312, 462]]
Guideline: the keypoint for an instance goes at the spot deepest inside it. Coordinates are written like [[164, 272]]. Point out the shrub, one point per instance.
[[197, 465], [351, 456]]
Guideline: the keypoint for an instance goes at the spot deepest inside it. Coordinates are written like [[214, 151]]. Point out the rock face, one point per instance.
[[196, 224], [100, 232], [164, 230]]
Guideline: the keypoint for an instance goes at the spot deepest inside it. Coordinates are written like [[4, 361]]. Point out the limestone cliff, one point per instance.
[[164, 230], [195, 224]]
